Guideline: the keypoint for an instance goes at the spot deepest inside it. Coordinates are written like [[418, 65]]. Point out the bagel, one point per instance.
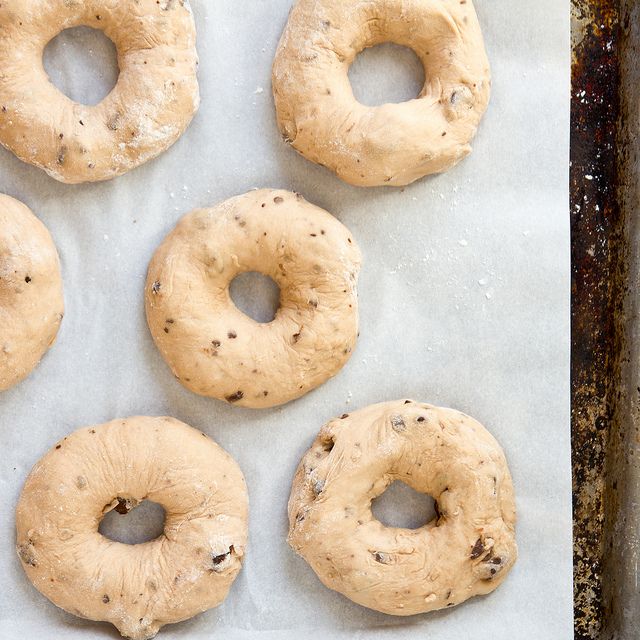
[[146, 112], [138, 588], [391, 144], [467, 550], [31, 301], [212, 347]]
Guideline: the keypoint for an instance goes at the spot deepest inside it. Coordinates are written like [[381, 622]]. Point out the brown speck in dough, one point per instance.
[[382, 558], [106, 599], [26, 553], [235, 397], [155, 287], [232, 335], [219, 560], [124, 506], [478, 549], [278, 200]]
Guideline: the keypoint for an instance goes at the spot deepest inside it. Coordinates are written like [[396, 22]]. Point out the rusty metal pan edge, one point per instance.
[[605, 202]]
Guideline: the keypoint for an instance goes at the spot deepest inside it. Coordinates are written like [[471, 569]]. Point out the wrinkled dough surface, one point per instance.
[[151, 105], [467, 551], [216, 350], [117, 465], [391, 144], [31, 300]]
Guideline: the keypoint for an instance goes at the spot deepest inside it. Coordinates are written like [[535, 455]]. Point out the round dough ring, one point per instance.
[[31, 301], [468, 550], [149, 108], [216, 350], [391, 144], [138, 588]]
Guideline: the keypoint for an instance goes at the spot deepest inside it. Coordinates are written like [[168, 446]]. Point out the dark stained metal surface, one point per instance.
[[621, 594], [605, 206], [597, 287]]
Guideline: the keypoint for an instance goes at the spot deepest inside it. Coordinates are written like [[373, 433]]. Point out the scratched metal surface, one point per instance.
[[605, 195], [622, 490]]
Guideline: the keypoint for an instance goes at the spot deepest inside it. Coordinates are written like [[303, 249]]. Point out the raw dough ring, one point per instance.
[[151, 105], [216, 350], [468, 551], [31, 302], [392, 144], [138, 588]]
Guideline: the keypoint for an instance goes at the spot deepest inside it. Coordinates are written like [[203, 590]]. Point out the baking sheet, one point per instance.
[[464, 302], [620, 544], [603, 380]]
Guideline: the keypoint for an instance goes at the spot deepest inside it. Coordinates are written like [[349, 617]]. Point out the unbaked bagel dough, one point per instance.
[[216, 350], [391, 144], [138, 588], [466, 551], [31, 302], [151, 105]]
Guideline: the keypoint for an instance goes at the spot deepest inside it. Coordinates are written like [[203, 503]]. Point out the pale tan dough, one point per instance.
[[151, 105], [468, 550], [138, 588], [392, 144], [31, 300], [216, 350]]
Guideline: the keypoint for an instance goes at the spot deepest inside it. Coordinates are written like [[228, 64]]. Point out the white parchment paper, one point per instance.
[[464, 302]]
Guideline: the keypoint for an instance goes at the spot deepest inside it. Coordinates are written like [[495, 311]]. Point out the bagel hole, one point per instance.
[[256, 295], [82, 63], [142, 524], [403, 507], [386, 73]]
